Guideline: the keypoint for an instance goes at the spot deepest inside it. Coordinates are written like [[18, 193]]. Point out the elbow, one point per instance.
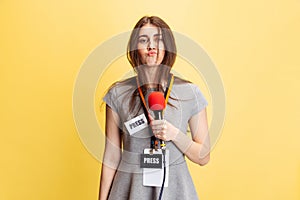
[[204, 161]]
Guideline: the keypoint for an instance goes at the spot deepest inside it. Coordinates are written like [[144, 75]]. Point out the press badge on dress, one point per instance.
[[153, 171], [136, 124]]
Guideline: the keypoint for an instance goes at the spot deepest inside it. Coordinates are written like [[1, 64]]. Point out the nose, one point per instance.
[[152, 44]]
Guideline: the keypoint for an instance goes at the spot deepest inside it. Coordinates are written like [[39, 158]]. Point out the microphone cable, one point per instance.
[[164, 171]]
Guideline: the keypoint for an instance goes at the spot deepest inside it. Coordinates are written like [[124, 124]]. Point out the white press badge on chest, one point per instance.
[[136, 124], [154, 176]]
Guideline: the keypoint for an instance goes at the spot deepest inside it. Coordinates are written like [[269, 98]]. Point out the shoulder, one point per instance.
[[187, 89], [119, 92], [184, 84], [190, 94], [180, 81], [122, 85]]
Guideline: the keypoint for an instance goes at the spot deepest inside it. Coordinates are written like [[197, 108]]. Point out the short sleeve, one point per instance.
[[199, 101], [110, 99]]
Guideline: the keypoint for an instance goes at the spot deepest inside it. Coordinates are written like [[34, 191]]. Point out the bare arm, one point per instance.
[[112, 153], [196, 149]]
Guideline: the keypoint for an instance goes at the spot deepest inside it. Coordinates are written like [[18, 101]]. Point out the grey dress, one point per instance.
[[186, 100]]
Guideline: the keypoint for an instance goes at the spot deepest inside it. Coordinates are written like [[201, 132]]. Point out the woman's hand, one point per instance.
[[197, 148], [162, 129]]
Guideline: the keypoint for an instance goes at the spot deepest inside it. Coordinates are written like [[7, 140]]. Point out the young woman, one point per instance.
[[131, 126]]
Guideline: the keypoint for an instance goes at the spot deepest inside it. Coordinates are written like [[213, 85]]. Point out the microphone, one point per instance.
[[157, 104], [156, 101]]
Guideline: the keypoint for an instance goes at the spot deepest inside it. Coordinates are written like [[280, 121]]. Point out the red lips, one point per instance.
[[151, 53]]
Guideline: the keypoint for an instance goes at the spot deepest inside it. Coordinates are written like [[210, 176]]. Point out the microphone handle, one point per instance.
[[158, 116]]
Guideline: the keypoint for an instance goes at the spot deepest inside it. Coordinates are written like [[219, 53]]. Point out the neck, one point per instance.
[[152, 75], [148, 75]]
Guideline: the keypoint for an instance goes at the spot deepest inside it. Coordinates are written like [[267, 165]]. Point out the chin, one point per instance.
[[152, 64]]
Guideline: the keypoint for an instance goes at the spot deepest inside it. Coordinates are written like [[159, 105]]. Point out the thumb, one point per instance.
[[150, 117]]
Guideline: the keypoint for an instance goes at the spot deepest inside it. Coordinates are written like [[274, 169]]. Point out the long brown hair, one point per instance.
[[135, 60]]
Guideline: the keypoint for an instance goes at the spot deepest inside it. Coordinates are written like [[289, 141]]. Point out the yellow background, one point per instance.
[[255, 45]]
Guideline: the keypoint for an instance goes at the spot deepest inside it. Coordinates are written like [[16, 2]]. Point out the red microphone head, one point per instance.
[[156, 101]]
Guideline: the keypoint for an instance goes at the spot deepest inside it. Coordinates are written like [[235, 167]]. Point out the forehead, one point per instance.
[[149, 30]]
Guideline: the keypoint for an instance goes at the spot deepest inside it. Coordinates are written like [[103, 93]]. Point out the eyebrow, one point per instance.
[[155, 35]]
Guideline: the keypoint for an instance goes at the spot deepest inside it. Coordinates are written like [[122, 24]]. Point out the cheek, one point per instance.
[[161, 54], [161, 46], [161, 51], [141, 53]]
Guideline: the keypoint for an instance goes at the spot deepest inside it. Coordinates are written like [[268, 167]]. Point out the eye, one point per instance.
[[158, 39], [143, 40]]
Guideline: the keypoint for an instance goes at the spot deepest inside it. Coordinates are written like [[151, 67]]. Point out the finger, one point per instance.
[[161, 136], [157, 122], [158, 135], [163, 132], [164, 127], [159, 132], [150, 117], [156, 127]]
